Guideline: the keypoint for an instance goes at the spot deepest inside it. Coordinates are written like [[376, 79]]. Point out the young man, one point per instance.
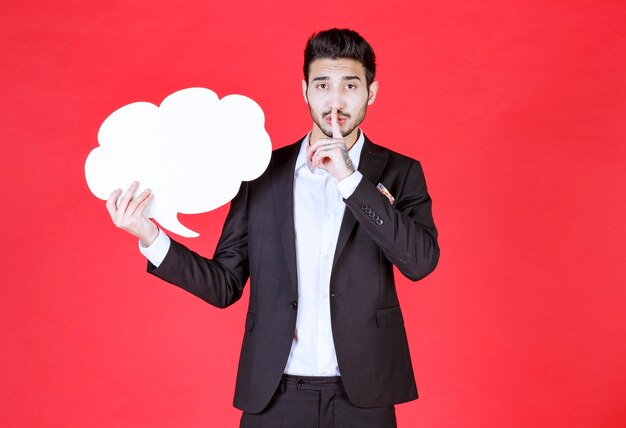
[[318, 235]]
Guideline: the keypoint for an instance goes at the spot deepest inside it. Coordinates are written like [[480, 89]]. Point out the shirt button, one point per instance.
[[293, 305]]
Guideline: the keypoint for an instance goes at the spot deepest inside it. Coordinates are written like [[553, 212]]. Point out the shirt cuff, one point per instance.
[[347, 186], [158, 250]]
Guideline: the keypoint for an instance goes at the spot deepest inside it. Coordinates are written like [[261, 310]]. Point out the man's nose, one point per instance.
[[336, 100]]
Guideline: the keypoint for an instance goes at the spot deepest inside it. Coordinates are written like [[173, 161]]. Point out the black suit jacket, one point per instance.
[[258, 243]]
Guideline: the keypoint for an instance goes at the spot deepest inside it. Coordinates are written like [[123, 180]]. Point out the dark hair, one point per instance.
[[340, 43]]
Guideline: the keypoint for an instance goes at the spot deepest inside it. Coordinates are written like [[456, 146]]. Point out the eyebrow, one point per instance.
[[323, 78]]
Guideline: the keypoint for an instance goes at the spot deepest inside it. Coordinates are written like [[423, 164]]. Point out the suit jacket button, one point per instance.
[[379, 222], [293, 305]]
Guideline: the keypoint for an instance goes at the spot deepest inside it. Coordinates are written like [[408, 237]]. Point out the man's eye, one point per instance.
[[321, 86], [350, 86]]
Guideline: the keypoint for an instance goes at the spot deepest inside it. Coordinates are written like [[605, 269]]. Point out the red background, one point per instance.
[[517, 111]]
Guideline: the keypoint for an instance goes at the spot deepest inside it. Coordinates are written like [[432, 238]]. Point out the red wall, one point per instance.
[[517, 111]]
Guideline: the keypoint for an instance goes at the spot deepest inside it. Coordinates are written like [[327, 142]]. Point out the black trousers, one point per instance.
[[316, 402]]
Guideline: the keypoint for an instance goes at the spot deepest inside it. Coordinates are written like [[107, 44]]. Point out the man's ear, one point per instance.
[[304, 86], [372, 92]]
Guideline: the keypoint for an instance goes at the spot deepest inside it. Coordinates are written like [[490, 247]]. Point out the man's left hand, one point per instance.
[[331, 154]]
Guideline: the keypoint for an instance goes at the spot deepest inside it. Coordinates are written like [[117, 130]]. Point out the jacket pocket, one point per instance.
[[250, 317], [389, 317]]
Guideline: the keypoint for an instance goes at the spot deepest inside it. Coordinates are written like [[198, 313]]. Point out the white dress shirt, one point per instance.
[[318, 212]]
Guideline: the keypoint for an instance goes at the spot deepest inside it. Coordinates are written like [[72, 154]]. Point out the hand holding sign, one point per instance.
[[193, 152], [128, 213]]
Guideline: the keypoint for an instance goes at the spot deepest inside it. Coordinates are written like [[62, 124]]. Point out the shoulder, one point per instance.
[[394, 158]]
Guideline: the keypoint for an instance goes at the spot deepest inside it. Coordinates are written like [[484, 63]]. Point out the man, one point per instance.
[[317, 235]]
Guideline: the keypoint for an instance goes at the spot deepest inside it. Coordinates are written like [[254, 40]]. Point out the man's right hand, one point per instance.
[[127, 213]]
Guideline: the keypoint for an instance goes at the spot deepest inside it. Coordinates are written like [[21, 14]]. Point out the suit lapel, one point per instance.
[[371, 165], [281, 176]]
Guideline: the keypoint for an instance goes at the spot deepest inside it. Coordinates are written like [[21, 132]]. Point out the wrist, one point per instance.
[[344, 174], [148, 240]]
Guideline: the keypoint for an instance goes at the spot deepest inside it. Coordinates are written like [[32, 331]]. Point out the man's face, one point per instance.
[[338, 84]]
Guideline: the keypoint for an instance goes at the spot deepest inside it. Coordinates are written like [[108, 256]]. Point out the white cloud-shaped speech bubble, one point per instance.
[[193, 152]]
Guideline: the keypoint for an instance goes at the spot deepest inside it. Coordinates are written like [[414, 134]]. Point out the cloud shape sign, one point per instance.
[[193, 151]]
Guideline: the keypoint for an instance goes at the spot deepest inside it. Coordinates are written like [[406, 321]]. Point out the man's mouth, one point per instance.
[[340, 119]]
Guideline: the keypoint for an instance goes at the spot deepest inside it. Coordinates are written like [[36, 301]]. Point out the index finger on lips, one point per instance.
[[334, 122]]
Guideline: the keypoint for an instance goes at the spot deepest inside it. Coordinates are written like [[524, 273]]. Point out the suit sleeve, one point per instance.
[[220, 280], [405, 232]]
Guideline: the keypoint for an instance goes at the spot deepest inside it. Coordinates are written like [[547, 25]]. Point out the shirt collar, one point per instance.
[[354, 152]]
